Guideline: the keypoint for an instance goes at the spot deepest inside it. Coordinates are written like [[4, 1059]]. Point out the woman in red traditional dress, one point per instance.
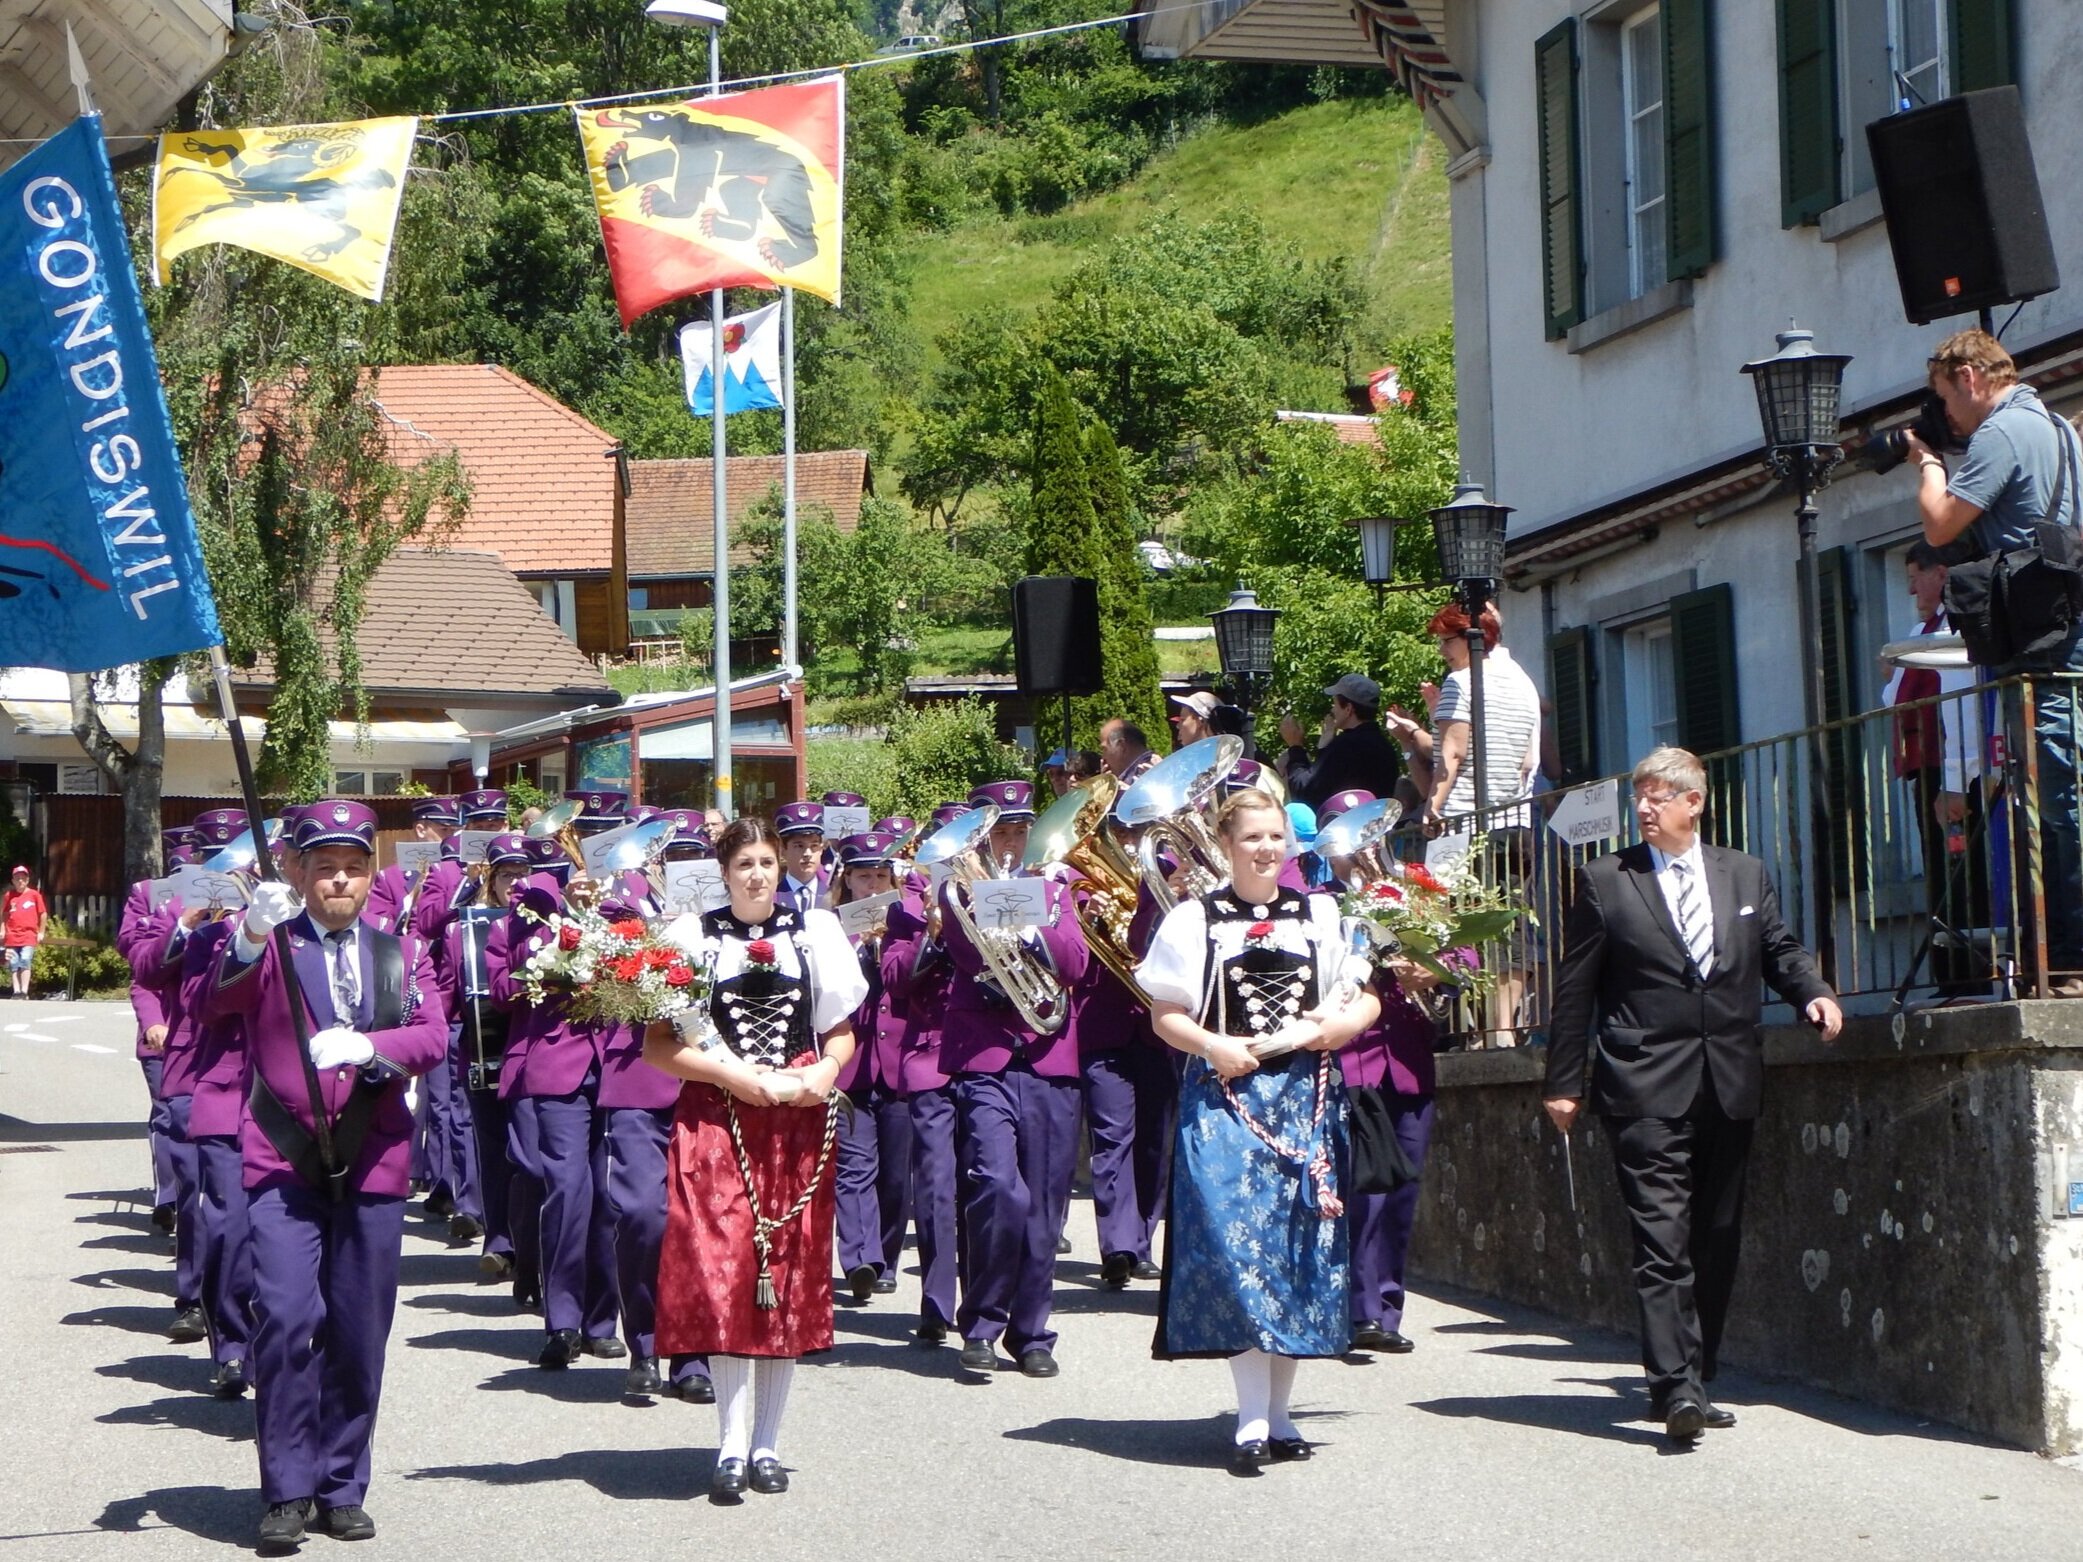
[[745, 1276]]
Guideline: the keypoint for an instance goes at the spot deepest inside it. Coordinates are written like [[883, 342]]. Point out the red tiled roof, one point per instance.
[[451, 624], [669, 510], [1352, 428], [542, 481]]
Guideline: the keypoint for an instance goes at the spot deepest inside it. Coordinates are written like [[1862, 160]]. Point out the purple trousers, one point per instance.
[[158, 1128], [1379, 1223], [325, 1285], [188, 1252], [933, 1184], [578, 1231], [437, 1136], [1016, 1136], [449, 1126], [873, 1181], [632, 1167], [1131, 1095], [488, 1126], [524, 1189], [226, 1239]]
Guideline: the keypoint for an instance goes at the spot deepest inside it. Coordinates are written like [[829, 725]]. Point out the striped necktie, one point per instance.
[[1695, 926]]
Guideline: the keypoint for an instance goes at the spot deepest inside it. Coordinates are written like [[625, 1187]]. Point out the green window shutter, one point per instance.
[[1570, 680], [1808, 149], [1984, 38], [1688, 34], [1562, 247], [1703, 644]]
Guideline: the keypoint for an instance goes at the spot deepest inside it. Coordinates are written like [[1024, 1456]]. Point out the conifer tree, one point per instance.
[[1128, 644]]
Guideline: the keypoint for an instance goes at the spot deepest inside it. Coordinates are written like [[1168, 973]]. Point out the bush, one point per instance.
[[1185, 601], [863, 765], [100, 969], [940, 753]]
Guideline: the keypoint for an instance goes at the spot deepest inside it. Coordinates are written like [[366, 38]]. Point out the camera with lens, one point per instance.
[[1885, 452]]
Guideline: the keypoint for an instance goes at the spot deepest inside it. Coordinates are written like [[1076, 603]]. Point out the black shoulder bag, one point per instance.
[[2019, 603]]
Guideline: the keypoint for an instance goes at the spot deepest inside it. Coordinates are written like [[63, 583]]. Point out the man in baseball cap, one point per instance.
[[1194, 718], [1355, 754]]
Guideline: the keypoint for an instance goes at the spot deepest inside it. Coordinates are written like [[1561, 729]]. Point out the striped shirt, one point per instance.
[[1511, 737]]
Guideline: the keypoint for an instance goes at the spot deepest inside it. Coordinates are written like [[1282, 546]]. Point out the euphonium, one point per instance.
[[1358, 831], [1074, 833], [1169, 805], [1018, 973]]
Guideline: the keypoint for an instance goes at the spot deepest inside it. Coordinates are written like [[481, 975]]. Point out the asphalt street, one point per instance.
[[1505, 1435]]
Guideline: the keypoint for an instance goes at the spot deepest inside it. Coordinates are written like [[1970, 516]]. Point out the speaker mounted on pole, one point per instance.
[[1961, 199], [1056, 635]]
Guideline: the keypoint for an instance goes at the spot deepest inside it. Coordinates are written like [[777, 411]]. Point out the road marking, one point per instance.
[[61, 1019], [16, 1030], [80, 1046], [30, 1035]]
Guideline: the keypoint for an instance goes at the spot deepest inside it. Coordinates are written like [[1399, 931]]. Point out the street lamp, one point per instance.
[[1377, 550], [1798, 391], [1469, 532], [710, 15], [1244, 644]]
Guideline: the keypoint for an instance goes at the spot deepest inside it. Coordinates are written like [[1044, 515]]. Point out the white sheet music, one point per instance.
[[471, 845], [416, 856], [858, 916], [842, 822], [1010, 903], [694, 887]]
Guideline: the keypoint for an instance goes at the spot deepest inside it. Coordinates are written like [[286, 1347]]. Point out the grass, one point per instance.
[[1358, 179]]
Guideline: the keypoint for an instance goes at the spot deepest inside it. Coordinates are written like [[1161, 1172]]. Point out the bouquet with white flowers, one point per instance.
[[612, 973], [1420, 913]]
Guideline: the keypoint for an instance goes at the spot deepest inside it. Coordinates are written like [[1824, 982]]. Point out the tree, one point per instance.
[[1062, 530], [138, 773], [1128, 642]]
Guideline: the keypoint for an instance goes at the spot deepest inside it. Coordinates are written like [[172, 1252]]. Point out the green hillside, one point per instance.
[[1355, 178]]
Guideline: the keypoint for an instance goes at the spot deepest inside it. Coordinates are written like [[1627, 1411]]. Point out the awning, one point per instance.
[[410, 743], [696, 739]]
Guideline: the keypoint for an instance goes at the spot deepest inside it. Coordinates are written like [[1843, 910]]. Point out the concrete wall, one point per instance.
[[1901, 1244]]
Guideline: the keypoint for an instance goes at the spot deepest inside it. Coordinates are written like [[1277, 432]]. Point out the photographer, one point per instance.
[[2007, 512]]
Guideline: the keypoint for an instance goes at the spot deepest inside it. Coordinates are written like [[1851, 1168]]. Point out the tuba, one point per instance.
[[963, 845], [1356, 832], [1074, 833], [1170, 804], [559, 822]]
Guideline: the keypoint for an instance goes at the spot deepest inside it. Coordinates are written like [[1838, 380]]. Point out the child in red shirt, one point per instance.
[[25, 917]]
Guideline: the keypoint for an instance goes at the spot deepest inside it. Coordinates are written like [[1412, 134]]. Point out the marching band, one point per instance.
[[911, 1028]]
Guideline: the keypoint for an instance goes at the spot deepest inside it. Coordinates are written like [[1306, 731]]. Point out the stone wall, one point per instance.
[[1901, 1238]]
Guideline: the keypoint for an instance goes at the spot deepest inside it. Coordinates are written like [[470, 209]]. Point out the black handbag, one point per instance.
[[1379, 1164], [2021, 602]]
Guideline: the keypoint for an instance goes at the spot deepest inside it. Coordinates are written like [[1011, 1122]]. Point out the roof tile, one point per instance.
[[668, 516]]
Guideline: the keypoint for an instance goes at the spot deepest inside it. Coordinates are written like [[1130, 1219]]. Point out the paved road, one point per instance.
[[1504, 1436]]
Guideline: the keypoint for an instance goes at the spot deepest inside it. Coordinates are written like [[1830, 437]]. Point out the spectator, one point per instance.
[[1195, 719], [1082, 766], [1353, 753], [2015, 489], [28, 919], [1055, 770], [1124, 750]]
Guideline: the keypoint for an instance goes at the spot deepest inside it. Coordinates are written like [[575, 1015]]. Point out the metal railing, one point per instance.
[[1909, 847]]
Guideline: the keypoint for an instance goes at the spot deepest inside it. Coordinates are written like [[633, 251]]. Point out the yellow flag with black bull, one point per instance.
[[324, 198]]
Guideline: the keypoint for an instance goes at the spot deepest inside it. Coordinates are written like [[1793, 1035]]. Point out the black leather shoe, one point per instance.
[[979, 1356], [163, 1217], [1038, 1363], [1395, 1344], [188, 1327], [1685, 1420], [559, 1351], [464, 1229], [728, 1483], [1062, 1246], [1288, 1450], [1718, 1419], [229, 1380], [606, 1347], [862, 1279], [642, 1381], [1368, 1334], [1143, 1269], [1115, 1269], [439, 1206], [886, 1286], [931, 1331], [348, 1523], [696, 1390], [1248, 1458], [768, 1477], [494, 1267], [282, 1526]]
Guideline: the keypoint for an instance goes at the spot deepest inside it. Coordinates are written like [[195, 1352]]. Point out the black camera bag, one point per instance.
[[2022, 603]]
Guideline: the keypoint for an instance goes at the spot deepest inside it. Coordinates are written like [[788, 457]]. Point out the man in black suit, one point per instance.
[[1664, 952]]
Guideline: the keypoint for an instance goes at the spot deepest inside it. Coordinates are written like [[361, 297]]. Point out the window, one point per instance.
[[553, 774], [1651, 670], [81, 779], [558, 601], [368, 783], [1642, 104]]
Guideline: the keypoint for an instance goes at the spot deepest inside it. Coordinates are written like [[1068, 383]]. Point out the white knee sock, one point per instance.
[[1281, 1376], [732, 1377], [771, 1377], [1253, 1371]]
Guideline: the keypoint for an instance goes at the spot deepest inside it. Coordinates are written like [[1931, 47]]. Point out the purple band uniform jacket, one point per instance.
[[983, 1034]]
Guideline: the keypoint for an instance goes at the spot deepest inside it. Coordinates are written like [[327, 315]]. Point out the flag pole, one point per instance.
[[720, 719], [788, 480]]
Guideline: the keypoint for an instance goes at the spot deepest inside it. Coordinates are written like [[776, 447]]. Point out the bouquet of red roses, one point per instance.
[[613, 973], [1420, 913]]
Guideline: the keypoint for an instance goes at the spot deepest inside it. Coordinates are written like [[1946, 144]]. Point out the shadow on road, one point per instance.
[[1189, 1444], [592, 1384], [209, 1512], [515, 1345], [1613, 1420], [653, 1474], [230, 1419], [172, 1369], [14, 1131], [138, 1320], [152, 1245], [153, 1282], [888, 1345]]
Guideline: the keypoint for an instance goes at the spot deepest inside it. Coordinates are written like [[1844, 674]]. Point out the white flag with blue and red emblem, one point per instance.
[[751, 361]]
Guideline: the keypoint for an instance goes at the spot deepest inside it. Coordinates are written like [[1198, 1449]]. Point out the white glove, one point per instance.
[[338, 1047], [273, 904]]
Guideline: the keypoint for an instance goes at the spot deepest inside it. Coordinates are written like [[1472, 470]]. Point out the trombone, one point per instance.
[[963, 845], [1172, 805]]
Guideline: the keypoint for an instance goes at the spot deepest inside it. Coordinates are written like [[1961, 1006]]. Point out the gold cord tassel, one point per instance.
[[763, 1296]]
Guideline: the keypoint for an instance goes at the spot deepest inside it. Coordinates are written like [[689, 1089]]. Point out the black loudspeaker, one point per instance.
[[1962, 202], [1056, 634]]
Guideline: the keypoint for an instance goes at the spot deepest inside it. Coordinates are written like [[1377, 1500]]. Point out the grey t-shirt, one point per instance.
[[2009, 470]]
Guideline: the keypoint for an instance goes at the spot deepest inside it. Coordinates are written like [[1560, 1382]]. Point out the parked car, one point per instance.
[[913, 43]]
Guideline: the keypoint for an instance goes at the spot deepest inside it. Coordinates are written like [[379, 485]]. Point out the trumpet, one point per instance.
[[1017, 972], [1074, 832], [1171, 805]]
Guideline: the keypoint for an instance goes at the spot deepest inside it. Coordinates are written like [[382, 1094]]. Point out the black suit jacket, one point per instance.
[[1361, 758], [1628, 994]]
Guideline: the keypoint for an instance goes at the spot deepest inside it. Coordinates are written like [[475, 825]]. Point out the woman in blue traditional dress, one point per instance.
[[1246, 981]]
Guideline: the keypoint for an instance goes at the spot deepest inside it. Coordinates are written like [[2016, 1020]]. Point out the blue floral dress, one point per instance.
[[1256, 1253]]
